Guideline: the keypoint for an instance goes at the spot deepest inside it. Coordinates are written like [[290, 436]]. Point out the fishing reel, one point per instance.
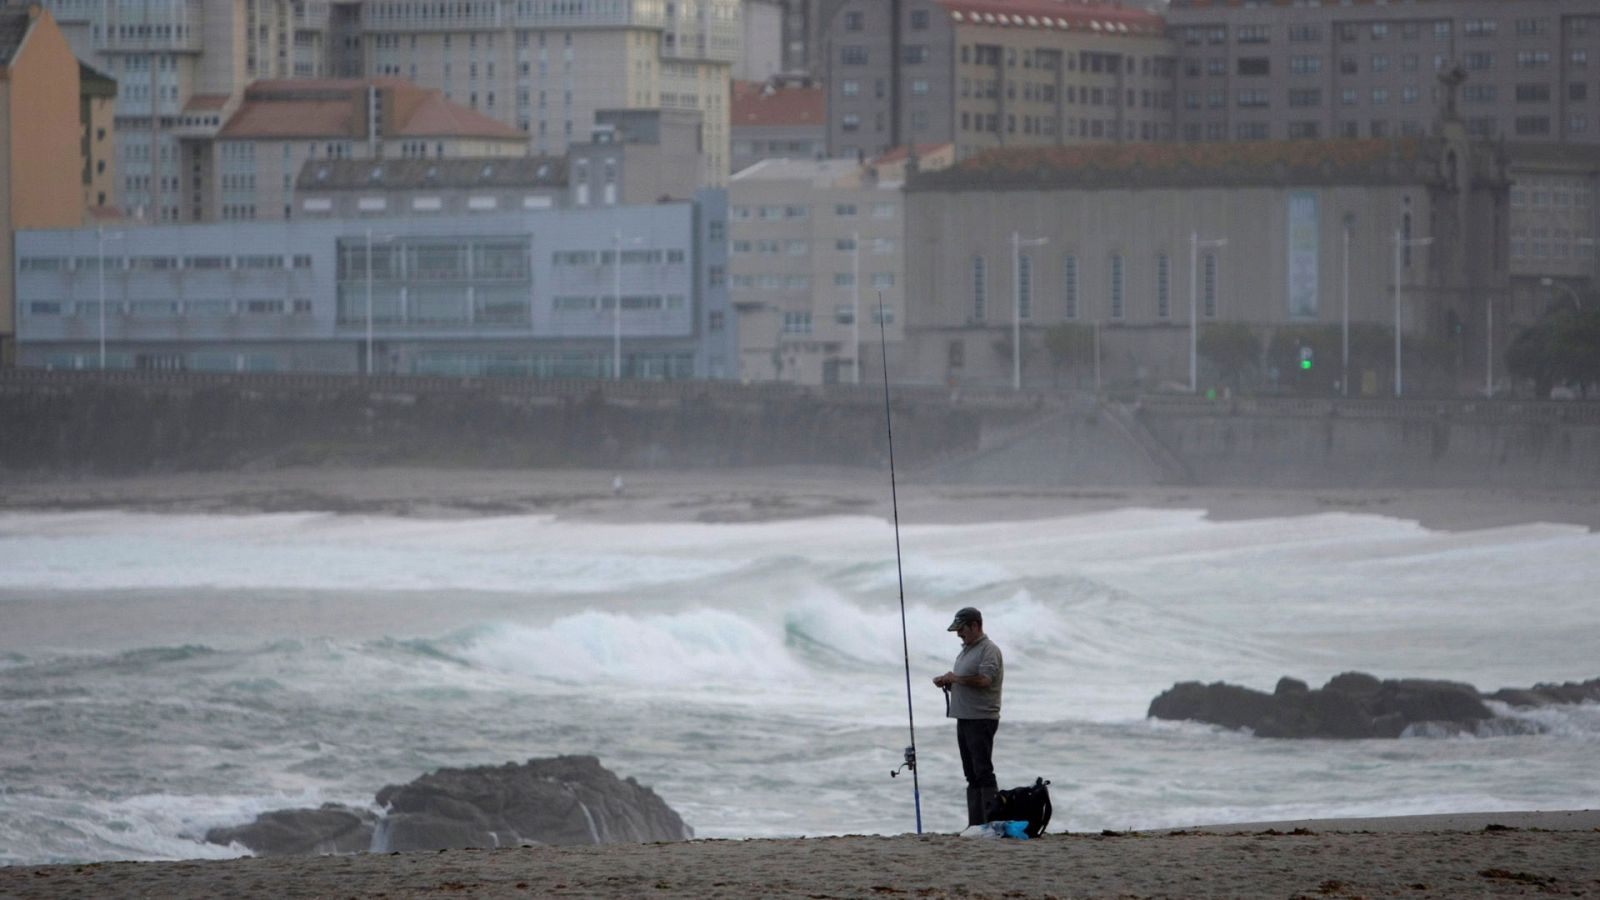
[[909, 764]]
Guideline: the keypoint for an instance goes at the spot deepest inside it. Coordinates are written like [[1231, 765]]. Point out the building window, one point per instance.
[[1163, 286], [1255, 65], [797, 322], [1116, 286], [854, 21], [919, 20], [1069, 286], [1209, 285], [853, 56], [1024, 286], [979, 293]]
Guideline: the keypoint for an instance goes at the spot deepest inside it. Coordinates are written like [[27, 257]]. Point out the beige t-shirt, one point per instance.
[[982, 657]]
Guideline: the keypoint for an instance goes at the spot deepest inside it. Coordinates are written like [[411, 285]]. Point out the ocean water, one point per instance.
[[164, 674]]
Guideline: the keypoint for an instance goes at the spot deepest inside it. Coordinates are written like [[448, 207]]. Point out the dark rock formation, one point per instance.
[[1358, 705], [566, 800], [287, 832]]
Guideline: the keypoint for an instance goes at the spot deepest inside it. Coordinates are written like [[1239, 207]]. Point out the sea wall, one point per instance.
[[1364, 443], [140, 422]]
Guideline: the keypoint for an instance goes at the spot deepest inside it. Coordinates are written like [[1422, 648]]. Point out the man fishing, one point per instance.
[[972, 689]]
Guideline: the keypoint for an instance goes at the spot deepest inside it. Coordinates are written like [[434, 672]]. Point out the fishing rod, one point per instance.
[[899, 570]]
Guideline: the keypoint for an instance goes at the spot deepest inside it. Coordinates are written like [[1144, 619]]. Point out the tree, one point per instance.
[[1231, 347], [1563, 348]]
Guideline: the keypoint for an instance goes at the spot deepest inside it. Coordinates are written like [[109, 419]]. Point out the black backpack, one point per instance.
[[1029, 803]]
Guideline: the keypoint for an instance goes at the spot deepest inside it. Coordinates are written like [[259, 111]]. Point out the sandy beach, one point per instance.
[[754, 495], [1560, 857]]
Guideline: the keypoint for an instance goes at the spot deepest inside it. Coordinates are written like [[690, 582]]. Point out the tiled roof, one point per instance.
[[437, 117], [293, 119], [895, 154], [459, 173], [314, 108], [754, 105], [205, 102], [1223, 164], [1061, 15]]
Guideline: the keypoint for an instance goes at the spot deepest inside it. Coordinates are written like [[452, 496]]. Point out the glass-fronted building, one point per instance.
[[537, 293]]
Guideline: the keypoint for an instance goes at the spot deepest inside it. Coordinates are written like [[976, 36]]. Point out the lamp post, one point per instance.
[[1195, 243], [101, 238], [1400, 243], [1344, 376], [1017, 243], [855, 308]]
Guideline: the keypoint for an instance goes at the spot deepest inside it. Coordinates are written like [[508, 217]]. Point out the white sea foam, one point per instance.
[[751, 673]]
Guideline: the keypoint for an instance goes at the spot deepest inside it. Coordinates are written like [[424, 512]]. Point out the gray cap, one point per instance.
[[964, 615]]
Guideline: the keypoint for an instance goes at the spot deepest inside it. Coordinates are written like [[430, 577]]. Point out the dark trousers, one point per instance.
[[976, 738]]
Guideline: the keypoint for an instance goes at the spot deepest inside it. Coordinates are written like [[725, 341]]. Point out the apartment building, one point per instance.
[[248, 170], [97, 102], [523, 293], [995, 73], [778, 119], [179, 63], [41, 177], [547, 66], [1129, 242], [1279, 70], [815, 252], [1555, 225]]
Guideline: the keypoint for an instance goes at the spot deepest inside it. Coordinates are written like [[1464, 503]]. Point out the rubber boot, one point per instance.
[[975, 807], [985, 803]]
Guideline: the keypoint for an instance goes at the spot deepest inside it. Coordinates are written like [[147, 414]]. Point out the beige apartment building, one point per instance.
[[546, 67], [815, 246], [40, 186], [995, 73], [180, 65]]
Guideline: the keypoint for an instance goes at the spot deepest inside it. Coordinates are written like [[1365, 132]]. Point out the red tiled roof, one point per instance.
[[293, 119], [895, 154], [204, 102], [1071, 15], [437, 117], [311, 108], [752, 104]]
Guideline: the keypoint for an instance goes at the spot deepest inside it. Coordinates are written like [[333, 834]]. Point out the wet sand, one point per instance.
[[1497, 862]]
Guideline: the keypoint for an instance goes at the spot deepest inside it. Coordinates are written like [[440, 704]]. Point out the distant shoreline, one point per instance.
[[1549, 852], [754, 495]]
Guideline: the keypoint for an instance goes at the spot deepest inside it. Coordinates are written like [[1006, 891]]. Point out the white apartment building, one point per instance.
[[546, 66], [813, 246]]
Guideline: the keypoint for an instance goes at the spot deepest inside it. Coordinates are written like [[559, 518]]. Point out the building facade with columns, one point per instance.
[[1120, 243]]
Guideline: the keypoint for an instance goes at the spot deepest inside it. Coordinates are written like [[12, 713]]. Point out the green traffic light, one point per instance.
[[1305, 364]]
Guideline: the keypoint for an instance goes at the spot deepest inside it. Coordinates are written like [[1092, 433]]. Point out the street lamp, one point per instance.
[[1400, 243], [855, 307], [1195, 243], [382, 239], [1548, 282], [101, 238], [1017, 243]]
